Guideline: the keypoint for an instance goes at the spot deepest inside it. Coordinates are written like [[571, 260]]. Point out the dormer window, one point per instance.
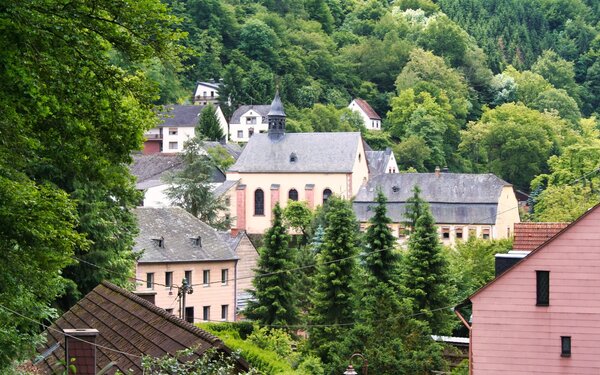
[[293, 157], [159, 241], [395, 189], [197, 241]]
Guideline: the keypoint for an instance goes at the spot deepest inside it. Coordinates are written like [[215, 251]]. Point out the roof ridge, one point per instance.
[[217, 342]]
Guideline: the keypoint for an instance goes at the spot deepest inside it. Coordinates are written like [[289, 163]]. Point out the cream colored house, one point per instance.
[[463, 205], [278, 166], [176, 245], [248, 120]]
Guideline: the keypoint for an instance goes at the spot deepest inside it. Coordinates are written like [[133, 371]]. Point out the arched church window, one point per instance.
[[326, 195], [259, 202], [293, 195]]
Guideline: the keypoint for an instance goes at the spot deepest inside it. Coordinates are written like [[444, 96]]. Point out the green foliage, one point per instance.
[[472, 263], [334, 290], [274, 285], [381, 258], [190, 188], [412, 152], [222, 159], [209, 127], [425, 273], [298, 216], [559, 101], [513, 142]]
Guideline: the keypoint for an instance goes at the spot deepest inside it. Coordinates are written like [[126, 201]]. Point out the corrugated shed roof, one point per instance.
[[180, 115], [129, 324], [366, 107], [445, 188], [261, 109], [528, 236], [178, 229], [315, 152]]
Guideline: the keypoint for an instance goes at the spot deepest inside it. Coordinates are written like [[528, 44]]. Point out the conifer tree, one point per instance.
[[334, 288], [415, 206], [381, 260], [425, 274], [208, 125], [274, 287]]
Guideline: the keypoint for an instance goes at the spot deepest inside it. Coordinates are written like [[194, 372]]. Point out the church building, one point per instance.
[[277, 167]]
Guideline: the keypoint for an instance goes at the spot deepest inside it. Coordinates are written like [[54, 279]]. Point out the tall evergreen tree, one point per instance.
[[334, 293], [415, 207], [191, 187], [208, 125], [381, 260], [425, 275], [274, 287]]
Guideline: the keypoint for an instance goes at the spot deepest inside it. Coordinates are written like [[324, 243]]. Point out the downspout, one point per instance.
[[466, 324], [235, 277]]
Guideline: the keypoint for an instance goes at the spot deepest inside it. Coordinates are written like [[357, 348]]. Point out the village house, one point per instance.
[[541, 315], [207, 92], [371, 119], [110, 329], [174, 246], [248, 120], [463, 205], [178, 124], [279, 166], [381, 162]]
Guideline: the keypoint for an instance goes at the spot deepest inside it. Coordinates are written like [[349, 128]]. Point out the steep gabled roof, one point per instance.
[[178, 229], [261, 109], [366, 108], [128, 327], [314, 152], [212, 85], [177, 116], [528, 236], [378, 161], [541, 247]]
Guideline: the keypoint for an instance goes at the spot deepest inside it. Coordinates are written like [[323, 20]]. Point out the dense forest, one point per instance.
[[510, 87]]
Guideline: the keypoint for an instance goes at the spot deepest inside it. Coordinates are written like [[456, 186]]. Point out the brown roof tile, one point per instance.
[[367, 109], [128, 327], [528, 236]]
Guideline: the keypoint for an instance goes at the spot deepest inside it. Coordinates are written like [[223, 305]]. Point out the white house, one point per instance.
[[207, 92], [370, 118], [381, 162], [248, 120], [178, 125]]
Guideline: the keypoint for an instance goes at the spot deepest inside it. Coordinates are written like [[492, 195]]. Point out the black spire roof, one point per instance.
[[276, 106]]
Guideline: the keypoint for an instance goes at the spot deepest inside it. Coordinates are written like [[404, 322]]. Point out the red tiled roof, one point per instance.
[[528, 236], [128, 327], [367, 109]]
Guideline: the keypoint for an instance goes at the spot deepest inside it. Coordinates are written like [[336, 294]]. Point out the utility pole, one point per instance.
[[185, 289]]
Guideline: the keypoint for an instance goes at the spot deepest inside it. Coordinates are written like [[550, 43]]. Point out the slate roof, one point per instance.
[[129, 324], [454, 198], [261, 109], [150, 169], [224, 187], [378, 161], [315, 152], [177, 116], [367, 109], [528, 236], [276, 106], [178, 228]]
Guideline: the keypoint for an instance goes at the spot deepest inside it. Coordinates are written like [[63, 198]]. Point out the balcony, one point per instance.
[[153, 137]]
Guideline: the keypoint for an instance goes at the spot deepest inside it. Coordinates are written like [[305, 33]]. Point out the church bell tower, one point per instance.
[[276, 118]]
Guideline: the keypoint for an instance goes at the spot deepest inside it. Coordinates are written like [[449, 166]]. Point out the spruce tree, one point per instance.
[[415, 207], [334, 288], [381, 259], [425, 274], [208, 125], [274, 295]]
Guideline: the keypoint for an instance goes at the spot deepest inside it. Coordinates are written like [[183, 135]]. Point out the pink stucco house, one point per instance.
[[542, 315]]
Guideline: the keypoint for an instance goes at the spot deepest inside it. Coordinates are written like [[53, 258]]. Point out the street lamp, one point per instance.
[[351, 371]]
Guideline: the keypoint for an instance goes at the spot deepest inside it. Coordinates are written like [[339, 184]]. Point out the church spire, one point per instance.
[[276, 118]]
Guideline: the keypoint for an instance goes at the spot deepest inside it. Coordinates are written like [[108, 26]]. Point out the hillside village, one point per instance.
[[314, 187]]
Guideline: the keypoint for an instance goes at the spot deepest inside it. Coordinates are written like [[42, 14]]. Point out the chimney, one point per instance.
[[505, 261], [437, 171], [234, 232], [80, 350], [149, 296]]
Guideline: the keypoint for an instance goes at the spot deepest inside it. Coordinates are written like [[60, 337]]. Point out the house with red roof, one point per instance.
[[542, 314], [370, 118]]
